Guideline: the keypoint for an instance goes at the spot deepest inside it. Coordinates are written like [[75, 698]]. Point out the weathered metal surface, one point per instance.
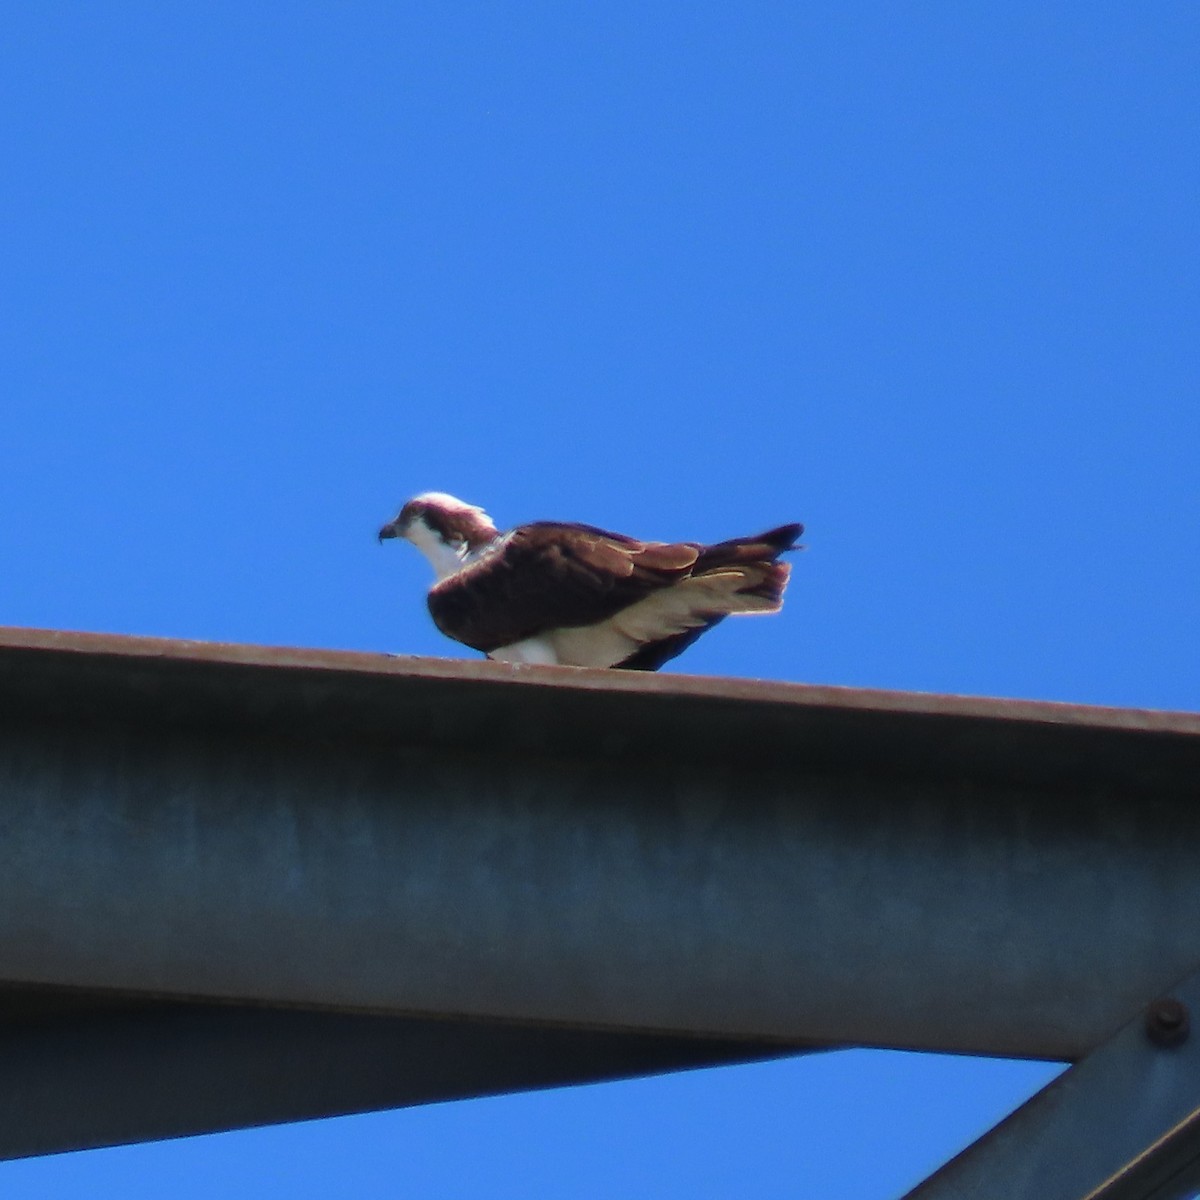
[[84, 1069], [545, 845], [1122, 1124]]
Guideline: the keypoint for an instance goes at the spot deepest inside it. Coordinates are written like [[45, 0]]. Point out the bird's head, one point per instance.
[[444, 528]]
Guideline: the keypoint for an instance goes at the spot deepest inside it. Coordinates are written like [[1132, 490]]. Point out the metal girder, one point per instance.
[[765, 864], [1121, 1124], [88, 1069]]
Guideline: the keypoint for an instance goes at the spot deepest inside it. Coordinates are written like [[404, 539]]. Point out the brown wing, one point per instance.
[[759, 548], [553, 576]]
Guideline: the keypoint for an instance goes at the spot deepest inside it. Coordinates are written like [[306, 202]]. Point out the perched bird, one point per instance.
[[579, 596]]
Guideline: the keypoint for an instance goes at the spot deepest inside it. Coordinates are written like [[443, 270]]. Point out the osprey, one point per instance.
[[579, 596]]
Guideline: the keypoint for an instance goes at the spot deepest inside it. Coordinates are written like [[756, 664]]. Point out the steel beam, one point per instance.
[[656, 853], [1122, 1124], [765, 864], [87, 1069]]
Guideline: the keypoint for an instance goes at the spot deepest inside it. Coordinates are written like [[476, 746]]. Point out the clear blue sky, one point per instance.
[[924, 277]]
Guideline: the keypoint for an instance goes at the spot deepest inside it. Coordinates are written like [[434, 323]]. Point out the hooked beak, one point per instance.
[[390, 530]]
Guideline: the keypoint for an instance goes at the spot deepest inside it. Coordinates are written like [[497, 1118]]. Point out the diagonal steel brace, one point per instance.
[[1123, 1123]]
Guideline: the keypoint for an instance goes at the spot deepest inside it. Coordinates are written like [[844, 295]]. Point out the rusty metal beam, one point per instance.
[[623, 851], [755, 862]]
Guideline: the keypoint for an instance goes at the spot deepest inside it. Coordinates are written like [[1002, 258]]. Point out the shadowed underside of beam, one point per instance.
[[97, 1069]]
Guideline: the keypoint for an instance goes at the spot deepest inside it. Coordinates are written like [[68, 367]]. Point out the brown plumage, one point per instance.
[[575, 594]]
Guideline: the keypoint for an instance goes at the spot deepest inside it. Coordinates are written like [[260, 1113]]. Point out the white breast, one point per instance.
[[539, 650]]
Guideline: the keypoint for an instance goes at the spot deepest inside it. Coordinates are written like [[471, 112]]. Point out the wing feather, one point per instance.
[[552, 576]]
